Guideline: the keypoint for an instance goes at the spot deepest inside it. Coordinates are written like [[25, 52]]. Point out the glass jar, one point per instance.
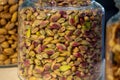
[[113, 46], [60, 40], [8, 32]]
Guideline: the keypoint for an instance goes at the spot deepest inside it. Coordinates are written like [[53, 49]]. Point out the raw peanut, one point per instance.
[[7, 61], [14, 17], [13, 31], [8, 51], [3, 57], [11, 2], [3, 2], [13, 8], [3, 31], [14, 55], [10, 41], [1, 8], [5, 45], [2, 38], [1, 62], [3, 22], [14, 46], [6, 8], [5, 15], [14, 37], [9, 26], [14, 60]]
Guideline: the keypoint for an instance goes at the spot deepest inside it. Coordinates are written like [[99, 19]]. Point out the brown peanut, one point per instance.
[[3, 22], [5, 15], [14, 17], [3, 2], [13, 8], [8, 51], [1, 8], [3, 57], [10, 26], [11, 2], [5, 44], [7, 61], [2, 38], [3, 31]]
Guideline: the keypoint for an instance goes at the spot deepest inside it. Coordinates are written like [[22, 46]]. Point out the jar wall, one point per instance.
[[60, 43], [8, 32]]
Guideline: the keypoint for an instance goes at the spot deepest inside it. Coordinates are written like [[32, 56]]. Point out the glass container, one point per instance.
[[113, 46], [8, 32], [60, 40]]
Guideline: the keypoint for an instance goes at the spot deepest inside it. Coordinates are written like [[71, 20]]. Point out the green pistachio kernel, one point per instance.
[[28, 33], [86, 26], [65, 67]]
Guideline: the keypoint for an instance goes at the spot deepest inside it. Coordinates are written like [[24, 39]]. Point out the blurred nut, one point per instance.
[[3, 57], [3, 31], [7, 61], [8, 51], [3, 22], [5, 44]]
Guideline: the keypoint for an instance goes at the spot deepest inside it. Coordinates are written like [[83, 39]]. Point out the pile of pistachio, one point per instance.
[[60, 44]]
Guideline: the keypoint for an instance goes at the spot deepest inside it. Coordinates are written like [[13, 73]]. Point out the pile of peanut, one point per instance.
[[60, 44], [113, 52], [8, 31]]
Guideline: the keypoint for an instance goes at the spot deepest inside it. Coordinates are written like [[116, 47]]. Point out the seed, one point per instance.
[[8, 51], [28, 33], [14, 17], [55, 17], [3, 31], [61, 20], [49, 32], [65, 68], [5, 45], [60, 59], [55, 55], [35, 30]]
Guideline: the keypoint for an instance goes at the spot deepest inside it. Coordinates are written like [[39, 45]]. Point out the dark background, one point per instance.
[[110, 8]]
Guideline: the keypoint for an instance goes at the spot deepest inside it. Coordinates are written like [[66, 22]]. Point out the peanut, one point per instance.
[[11, 2], [2, 38], [9, 26], [14, 17], [13, 8], [8, 51], [5, 15], [5, 45], [3, 2], [7, 61], [14, 60], [3, 57], [3, 22], [1, 8], [3, 31]]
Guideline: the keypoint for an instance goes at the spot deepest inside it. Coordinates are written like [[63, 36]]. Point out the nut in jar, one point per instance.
[[59, 43], [8, 31]]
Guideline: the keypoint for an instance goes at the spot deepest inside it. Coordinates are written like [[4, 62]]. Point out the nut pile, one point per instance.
[[8, 31], [60, 44], [113, 55]]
